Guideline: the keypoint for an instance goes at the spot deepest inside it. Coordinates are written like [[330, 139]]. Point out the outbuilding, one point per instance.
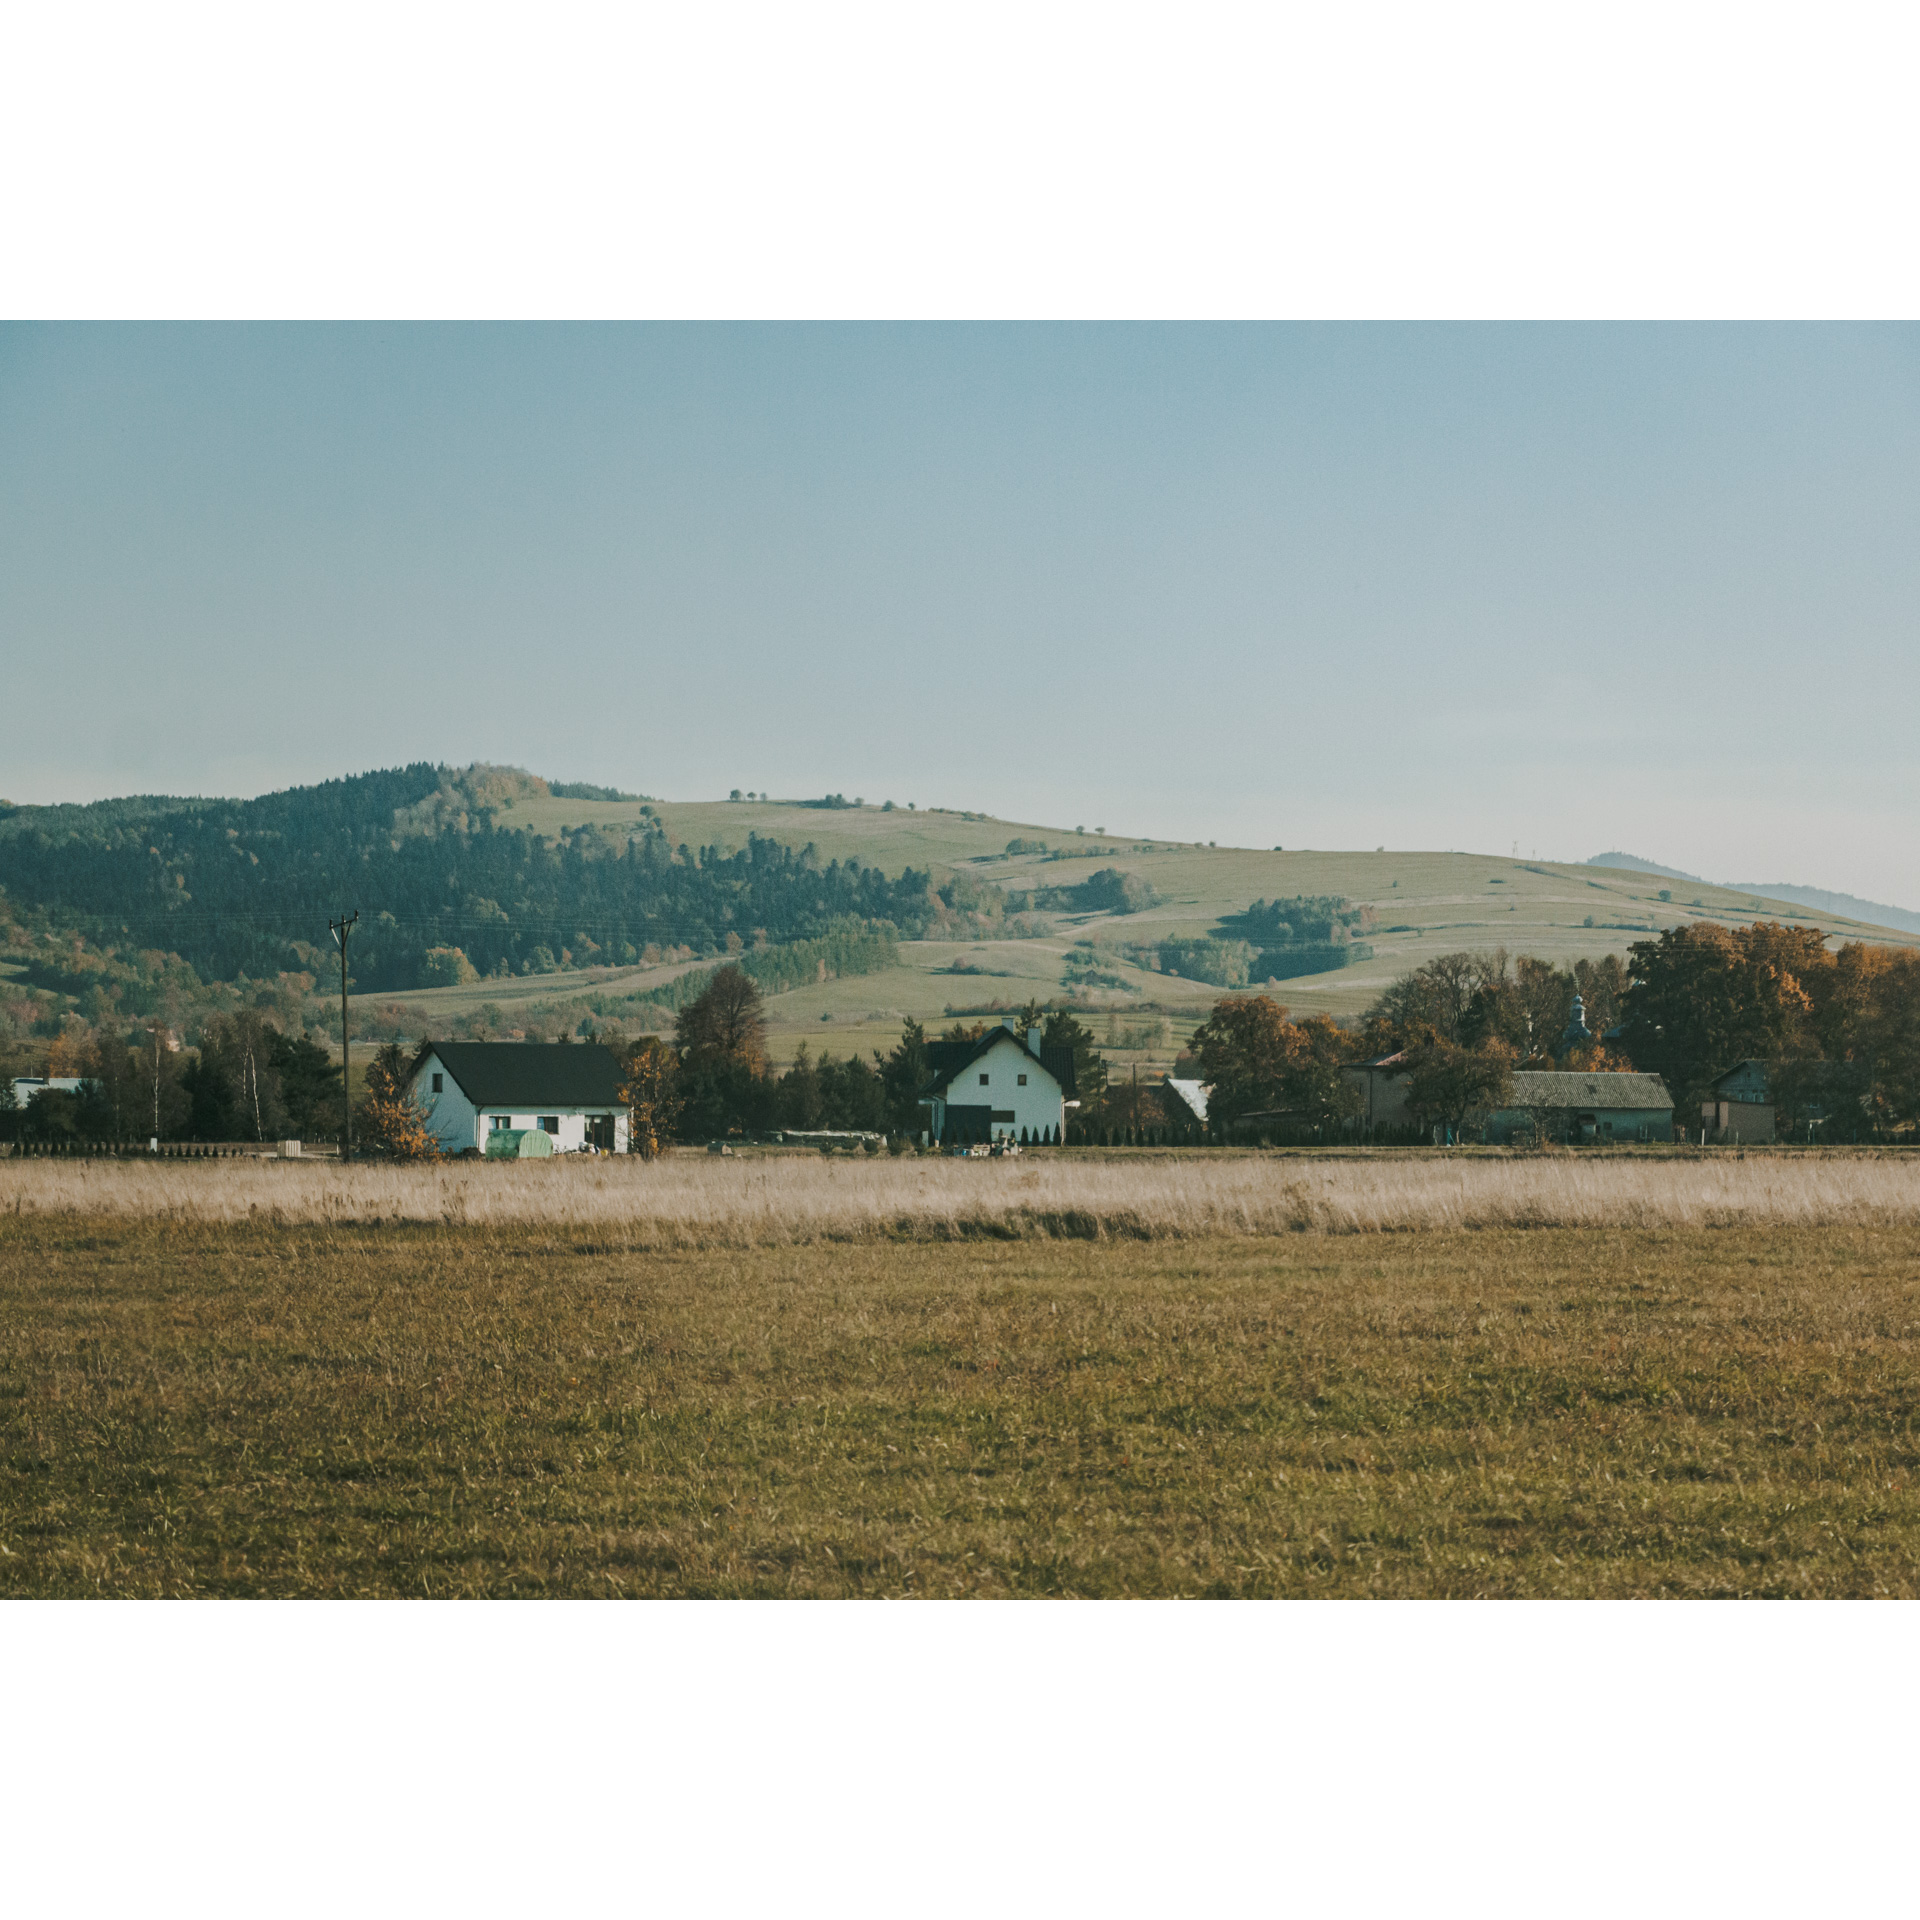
[[28, 1085], [1584, 1107], [1382, 1083], [1184, 1104], [1740, 1109], [997, 1087], [471, 1090]]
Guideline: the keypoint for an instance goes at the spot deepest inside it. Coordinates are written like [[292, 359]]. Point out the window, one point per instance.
[[503, 1123], [549, 1123], [1021, 1078], [983, 1079], [439, 1083]]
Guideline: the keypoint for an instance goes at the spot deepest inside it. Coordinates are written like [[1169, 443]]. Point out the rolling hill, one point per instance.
[[990, 912]]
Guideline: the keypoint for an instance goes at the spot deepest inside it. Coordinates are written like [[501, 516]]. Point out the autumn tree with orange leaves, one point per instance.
[[391, 1120], [1705, 997], [1258, 1060], [650, 1093]]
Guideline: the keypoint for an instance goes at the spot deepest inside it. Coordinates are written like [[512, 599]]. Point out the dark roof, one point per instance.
[[1636, 1092], [1737, 1069], [945, 1058], [529, 1074]]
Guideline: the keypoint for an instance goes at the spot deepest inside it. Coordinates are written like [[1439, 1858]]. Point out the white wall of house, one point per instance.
[[569, 1132], [1016, 1084], [452, 1118]]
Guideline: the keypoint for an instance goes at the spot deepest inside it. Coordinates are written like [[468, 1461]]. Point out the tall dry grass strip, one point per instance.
[[686, 1201]]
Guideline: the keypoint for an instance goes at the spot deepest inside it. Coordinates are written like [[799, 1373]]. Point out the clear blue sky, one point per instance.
[[1424, 586]]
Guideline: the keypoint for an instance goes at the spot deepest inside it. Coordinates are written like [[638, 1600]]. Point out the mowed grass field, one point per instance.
[[1427, 903], [538, 1391]]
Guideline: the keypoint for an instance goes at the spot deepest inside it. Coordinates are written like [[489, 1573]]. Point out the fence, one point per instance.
[[166, 1150]]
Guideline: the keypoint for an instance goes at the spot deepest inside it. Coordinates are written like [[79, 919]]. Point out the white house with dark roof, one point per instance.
[[471, 1090], [998, 1087]]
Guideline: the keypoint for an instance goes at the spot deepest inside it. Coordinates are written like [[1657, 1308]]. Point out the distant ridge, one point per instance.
[[1849, 904], [1634, 864], [1876, 912]]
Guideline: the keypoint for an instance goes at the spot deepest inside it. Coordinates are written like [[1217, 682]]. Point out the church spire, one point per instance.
[[1576, 1034]]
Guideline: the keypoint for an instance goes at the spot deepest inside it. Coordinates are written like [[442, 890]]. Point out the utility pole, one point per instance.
[[340, 929]]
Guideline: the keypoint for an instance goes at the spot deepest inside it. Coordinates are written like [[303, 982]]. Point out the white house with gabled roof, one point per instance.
[[998, 1087], [471, 1090]]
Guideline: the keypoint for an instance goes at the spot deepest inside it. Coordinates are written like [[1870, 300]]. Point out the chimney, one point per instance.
[[1033, 1041], [1007, 1021]]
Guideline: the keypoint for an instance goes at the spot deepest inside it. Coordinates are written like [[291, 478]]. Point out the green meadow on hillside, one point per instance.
[[1425, 903]]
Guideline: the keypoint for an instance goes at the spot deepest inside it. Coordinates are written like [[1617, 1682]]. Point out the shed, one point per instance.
[[1383, 1084], [28, 1085]]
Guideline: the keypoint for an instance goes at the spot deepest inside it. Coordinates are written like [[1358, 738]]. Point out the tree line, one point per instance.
[[714, 1079], [248, 1080], [1838, 1030]]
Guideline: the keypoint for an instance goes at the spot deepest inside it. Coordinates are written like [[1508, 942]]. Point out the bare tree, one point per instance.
[[1440, 992]]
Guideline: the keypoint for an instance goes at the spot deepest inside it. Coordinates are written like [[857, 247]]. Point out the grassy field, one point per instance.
[[1428, 903], [560, 1395], [694, 1200]]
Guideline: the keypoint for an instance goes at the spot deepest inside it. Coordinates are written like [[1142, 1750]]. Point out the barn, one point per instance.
[[471, 1090], [997, 1087], [1584, 1107]]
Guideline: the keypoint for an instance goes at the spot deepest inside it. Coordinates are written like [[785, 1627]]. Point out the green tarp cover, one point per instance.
[[509, 1143]]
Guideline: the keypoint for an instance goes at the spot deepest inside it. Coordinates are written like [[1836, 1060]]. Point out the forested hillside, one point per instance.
[[443, 879]]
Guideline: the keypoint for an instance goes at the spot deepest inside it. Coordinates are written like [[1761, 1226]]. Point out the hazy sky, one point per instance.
[[1655, 587]]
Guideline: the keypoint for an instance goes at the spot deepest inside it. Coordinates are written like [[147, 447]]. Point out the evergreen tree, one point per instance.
[[309, 1084], [1089, 1067], [903, 1073]]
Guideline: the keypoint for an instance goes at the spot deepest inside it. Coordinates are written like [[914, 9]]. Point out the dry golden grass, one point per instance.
[[315, 1408], [697, 1200]]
